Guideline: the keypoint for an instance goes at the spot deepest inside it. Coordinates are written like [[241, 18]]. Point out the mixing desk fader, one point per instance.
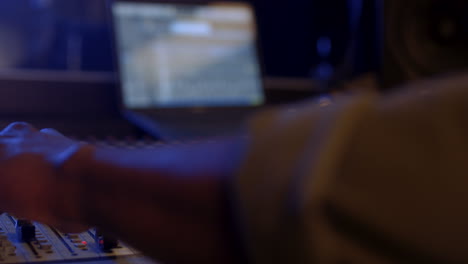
[[22, 241]]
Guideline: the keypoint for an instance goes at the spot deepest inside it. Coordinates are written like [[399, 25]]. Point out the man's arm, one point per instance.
[[366, 180], [171, 202]]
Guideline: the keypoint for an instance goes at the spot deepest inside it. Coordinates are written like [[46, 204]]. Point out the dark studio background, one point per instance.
[[56, 65], [56, 58], [73, 35]]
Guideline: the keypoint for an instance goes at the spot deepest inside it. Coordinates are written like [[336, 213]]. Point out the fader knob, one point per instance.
[[105, 241], [25, 230]]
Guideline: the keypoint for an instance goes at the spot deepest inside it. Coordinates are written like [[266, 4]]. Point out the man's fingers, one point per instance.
[[18, 129], [51, 131], [20, 126]]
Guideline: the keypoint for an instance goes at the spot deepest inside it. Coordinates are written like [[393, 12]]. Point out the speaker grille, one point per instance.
[[426, 37]]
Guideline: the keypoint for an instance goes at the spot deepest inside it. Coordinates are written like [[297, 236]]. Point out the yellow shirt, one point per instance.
[[369, 179]]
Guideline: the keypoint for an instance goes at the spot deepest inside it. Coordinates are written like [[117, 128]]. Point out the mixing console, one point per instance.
[[22, 241]]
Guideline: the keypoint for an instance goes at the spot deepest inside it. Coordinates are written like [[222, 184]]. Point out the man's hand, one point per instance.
[[22, 138], [28, 178]]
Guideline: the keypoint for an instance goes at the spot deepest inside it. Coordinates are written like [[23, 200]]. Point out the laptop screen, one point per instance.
[[186, 55]]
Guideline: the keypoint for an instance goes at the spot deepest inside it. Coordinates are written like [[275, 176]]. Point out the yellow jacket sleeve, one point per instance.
[[366, 180]]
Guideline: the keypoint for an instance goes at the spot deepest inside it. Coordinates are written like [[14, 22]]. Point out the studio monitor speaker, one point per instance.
[[422, 38]]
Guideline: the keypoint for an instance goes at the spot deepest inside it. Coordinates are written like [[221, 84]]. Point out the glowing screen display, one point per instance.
[[178, 55]]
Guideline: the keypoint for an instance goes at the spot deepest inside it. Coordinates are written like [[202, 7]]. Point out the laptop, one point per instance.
[[187, 69]]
